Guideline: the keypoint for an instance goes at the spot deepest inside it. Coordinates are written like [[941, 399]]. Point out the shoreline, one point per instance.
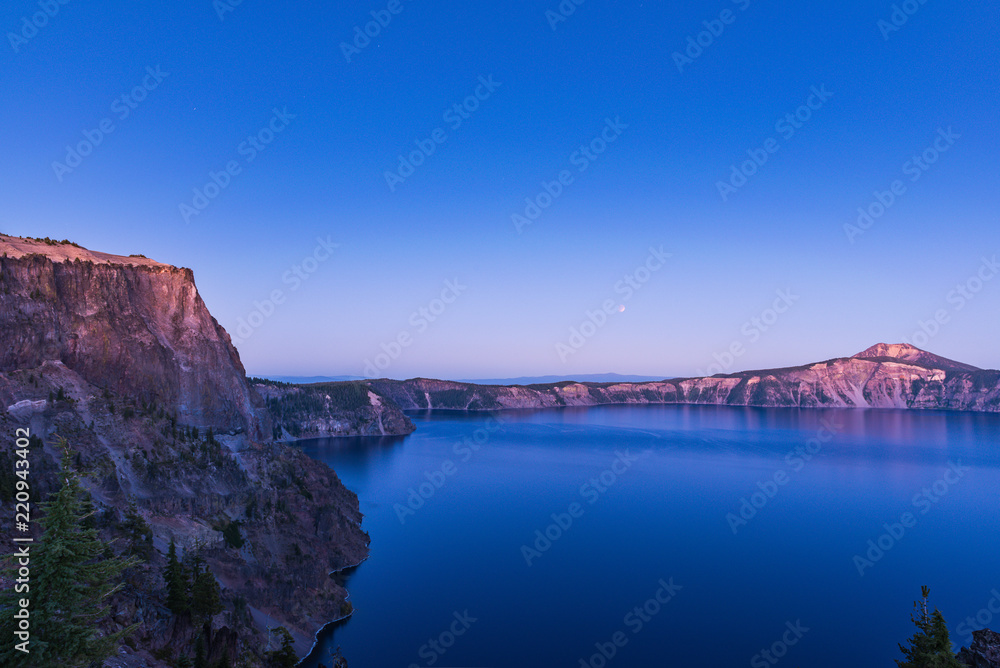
[[488, 411], [328, 627]]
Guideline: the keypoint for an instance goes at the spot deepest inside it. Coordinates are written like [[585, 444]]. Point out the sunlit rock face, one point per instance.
[[883, 376], [127, 324], [906, 353], [119, 358]]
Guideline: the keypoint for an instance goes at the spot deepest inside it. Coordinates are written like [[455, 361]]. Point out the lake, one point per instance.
[[668, 536]]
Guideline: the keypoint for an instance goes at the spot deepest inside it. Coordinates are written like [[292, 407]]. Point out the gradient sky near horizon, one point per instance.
[[655, 185]]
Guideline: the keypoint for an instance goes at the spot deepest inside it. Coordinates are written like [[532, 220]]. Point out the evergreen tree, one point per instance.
[[71, 580], [285, 656], [199, 653], [140, 536], [177, 583], [205, 592], [231, 534], [930, 646]]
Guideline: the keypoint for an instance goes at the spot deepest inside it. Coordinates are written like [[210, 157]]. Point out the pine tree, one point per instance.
[[71, 580], [177, 584], [285, 656], [199, 653], [205, 592], [140, 536], [930, 646]]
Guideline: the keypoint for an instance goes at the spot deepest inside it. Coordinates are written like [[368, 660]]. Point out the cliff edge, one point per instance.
[[126, 324], [119, 358]]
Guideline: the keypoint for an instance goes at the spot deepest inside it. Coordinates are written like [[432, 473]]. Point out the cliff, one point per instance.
[[120, 357], [126, 324], [984, 652], [330, 409], [883, 376]]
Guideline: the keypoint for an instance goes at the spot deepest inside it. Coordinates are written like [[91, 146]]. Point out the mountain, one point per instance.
[[883, 376], [119, 358], [907, 353]]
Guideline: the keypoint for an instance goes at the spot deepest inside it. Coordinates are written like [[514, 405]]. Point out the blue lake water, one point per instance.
[[658, 567]]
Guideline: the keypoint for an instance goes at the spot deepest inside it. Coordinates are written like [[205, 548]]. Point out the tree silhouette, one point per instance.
[[285, 656], [177, 584], [71, 581], [205, 591], [930, 646]]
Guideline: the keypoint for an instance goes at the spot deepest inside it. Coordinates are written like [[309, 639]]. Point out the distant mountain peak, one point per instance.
[[909, 353], [897, 350]]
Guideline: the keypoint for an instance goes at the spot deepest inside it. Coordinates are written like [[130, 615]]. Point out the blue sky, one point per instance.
[[271, 82]]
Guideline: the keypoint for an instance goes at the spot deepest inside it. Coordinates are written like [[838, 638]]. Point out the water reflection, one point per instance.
[[665, 516]]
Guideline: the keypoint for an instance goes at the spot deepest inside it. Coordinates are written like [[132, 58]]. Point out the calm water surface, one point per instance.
[[651, 503]]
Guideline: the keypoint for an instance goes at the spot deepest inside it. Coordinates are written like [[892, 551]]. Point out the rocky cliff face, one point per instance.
[[984, 651], [120, 357], [884, 376], [129, 325], [330, 409]]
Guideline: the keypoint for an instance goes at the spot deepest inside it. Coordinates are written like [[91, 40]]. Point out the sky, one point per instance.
[[630, 187]]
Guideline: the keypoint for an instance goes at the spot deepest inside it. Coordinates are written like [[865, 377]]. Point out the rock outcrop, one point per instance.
[[984, 651], [126, 324], [330, 409]]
